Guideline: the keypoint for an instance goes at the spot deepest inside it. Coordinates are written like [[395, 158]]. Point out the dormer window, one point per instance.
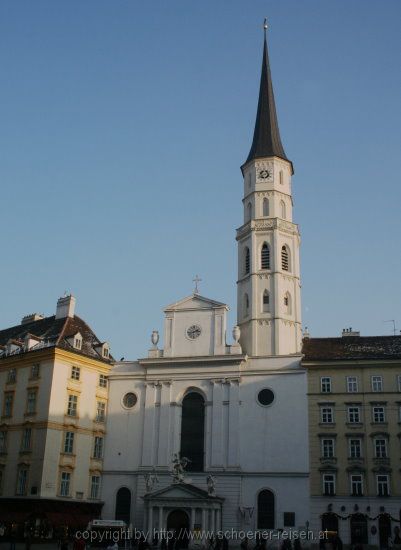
[[77, 343], [105, 352]]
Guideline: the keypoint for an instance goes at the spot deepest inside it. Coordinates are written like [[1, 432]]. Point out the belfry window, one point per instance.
[[281, 177], [247, 260], [246, 304], [285, 259], [265, 207], [266, 301], [249, 212], [193, 431], [287, 303], [265, 257], [283, 210]]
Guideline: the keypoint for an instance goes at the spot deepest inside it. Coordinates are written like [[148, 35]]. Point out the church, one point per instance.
[[209, 435]]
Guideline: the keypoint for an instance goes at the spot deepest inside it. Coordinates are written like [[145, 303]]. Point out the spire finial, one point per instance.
[[196, 280], [265, 26]]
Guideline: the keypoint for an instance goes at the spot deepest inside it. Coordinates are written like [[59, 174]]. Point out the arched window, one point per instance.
[[249, 211], [281, 177], [287, 303], [123, 505], [265, 208], [193, 431], [247, 260], [249, 180], [266, 301], [266, 510], [265, 257], [283, 210], [246, 304], [285, 258]]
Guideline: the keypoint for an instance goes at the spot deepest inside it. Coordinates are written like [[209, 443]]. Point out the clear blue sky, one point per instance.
[[123, 125]]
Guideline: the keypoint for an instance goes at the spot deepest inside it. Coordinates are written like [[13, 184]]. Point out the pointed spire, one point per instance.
[[266, 137]]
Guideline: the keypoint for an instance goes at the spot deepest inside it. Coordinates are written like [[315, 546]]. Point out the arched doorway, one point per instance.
[[193, 431], [384, 530], [178, 523], [359, 529], [123, 505], [330, 522], [266, 512]]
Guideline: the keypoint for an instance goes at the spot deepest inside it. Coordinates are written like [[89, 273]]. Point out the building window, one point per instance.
[[265, 301], [354, 416], [1, 479], [69, 442], [380, 446], [283, 210], [327, 448], [266, 510], [246, 304], [35, 370], [325, 384], [102, 380], [193, 431], [379, 415], [287, 303], [98, 447], [355, 448], [77, 343], [265, 207], [3, 442], [281, 177], [26, 439], [247, 260], [72, 407], [377, 383], [356, 485], [8, 404], [12, 376], [285, 258], [329, 484], [65, 482], [327, 415], [22, 481], [100, 411], [249, 212], [265, 257], [75, 373], [106, 352], [352, 384], [399, 382], [31, 402], [95, 487], [383, 486]]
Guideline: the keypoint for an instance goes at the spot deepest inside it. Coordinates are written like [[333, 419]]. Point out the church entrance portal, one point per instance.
[[178, 522]]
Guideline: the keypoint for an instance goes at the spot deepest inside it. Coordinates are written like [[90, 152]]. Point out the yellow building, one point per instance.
[[53, 402], [354, 394]]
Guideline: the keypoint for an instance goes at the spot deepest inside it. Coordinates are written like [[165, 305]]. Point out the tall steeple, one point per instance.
[[266, 136], [269, 297]]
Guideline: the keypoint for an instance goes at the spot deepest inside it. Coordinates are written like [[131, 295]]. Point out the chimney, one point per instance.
[[31, 318], [349, 332], [65, 307]]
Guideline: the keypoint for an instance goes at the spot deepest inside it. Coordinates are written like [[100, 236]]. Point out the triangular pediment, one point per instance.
[[180, 491], [195, 302]]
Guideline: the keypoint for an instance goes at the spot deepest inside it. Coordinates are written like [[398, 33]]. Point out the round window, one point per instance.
[[265, 397], [129, 400]]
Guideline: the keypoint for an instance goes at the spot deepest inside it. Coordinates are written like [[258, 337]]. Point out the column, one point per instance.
[[192, 524], [218, 520], [233, 423], [150, 520], [213, 524], [160, 519], [164, 453], [148, 426], [204, 522], [217, 424]]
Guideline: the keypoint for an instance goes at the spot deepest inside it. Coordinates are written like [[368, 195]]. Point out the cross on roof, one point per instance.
[[196, 280]]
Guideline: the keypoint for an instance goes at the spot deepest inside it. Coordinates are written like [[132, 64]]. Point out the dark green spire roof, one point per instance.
[[266, 136]]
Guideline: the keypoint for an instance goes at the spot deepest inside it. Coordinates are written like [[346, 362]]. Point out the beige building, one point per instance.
[[53, 402], [354, 390]]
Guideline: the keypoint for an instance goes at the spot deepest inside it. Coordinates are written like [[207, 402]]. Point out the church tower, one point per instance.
[[268, 301]]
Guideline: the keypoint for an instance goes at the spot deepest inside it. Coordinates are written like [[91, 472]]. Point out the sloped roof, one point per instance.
[[56, 332], [352, 348]]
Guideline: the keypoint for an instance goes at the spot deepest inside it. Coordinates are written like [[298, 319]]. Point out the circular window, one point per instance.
[[265, 397], [129, 400]]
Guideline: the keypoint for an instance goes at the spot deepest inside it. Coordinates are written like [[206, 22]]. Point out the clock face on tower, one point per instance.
[[194, 331], [264, 174]]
